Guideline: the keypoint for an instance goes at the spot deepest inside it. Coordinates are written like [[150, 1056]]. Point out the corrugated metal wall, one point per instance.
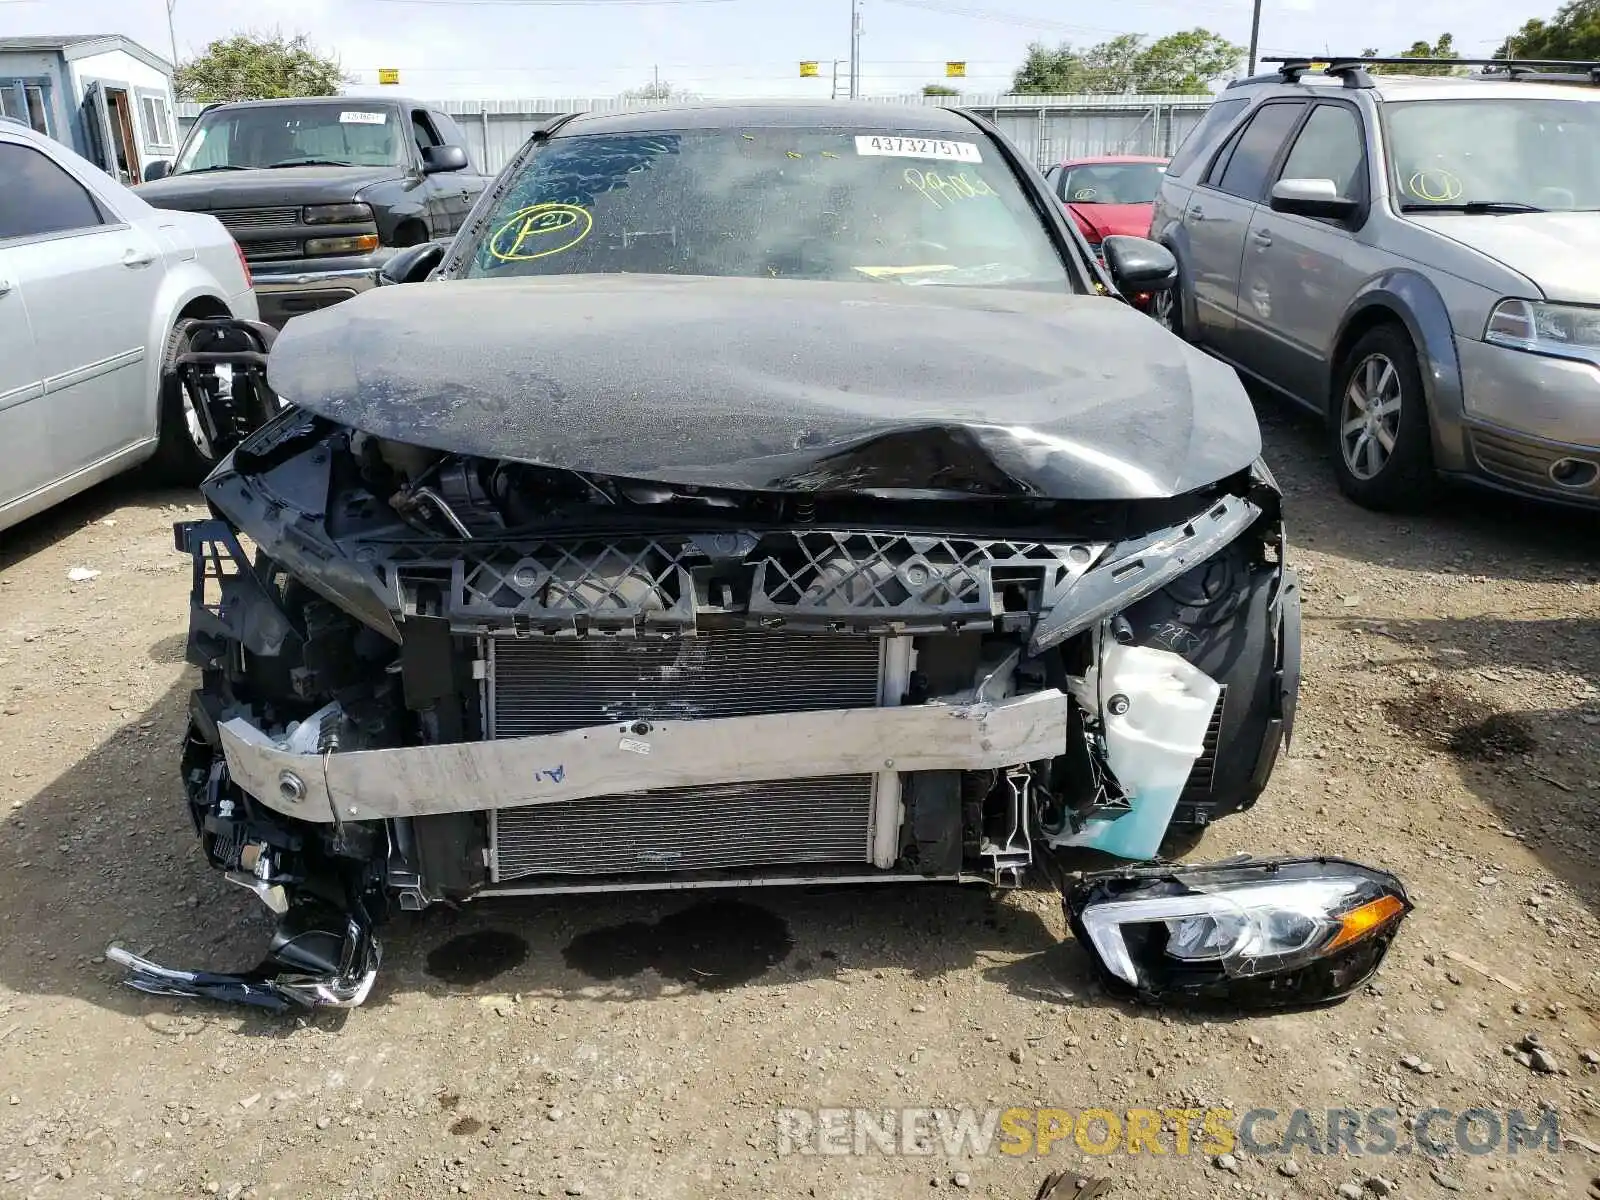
[[1046, 128]]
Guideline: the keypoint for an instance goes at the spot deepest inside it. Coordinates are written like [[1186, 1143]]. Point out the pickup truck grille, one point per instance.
[[288, 248], [257, 218]]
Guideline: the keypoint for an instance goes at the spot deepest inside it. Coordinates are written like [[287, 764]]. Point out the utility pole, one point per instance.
[[655, 90], [1255, 35], [855, 49], [171, 4]]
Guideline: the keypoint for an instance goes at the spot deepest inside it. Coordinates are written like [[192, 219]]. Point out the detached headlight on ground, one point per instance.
[[1282, 932], [1562, 330]]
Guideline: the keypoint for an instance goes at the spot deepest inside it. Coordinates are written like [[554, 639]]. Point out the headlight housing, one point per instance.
[[1561, 330], [336, 214], [360, 243], [1263, 934]]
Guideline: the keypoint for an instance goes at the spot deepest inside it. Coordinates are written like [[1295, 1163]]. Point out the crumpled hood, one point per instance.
[[779, 385], [1557, 250]]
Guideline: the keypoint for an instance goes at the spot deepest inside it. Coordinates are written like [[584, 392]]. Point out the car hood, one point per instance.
[[1100, 221], [206, 190], [779, 385], [1557, 250]]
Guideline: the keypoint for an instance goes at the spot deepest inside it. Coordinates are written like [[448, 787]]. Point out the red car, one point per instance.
[[1113, 194]]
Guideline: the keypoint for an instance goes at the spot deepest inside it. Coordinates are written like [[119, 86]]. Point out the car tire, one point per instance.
[[181, 458], [1382, 443]]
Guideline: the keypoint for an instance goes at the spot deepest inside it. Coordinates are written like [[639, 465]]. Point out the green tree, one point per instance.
[[1188, 63], [939, 89], [1445, 47], [1180, 63], [1573, 33], [253, 66], [658, 89]]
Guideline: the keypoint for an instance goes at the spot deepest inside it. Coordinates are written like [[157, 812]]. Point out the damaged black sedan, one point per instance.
[[750, 495]]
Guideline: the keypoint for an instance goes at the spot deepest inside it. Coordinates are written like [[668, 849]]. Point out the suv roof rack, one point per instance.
[[1351, 68]]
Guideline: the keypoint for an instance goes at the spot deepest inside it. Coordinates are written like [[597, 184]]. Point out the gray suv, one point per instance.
[[1413, 258]]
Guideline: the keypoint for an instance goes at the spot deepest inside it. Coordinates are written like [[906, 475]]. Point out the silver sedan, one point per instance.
[[93, 282]]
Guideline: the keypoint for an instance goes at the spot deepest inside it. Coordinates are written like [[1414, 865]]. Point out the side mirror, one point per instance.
[[159, 169], [413, 264], [1312, 198], [436, 159], [1137, 264]]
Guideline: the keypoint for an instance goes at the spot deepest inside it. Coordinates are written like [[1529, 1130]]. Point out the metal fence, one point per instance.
[[1048, 129]]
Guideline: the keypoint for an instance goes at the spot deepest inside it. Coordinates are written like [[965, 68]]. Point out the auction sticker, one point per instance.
[[362, 118], [918, 147]]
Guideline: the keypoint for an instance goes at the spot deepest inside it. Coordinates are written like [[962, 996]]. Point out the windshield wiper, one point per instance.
[[203, 170], [1476, 207], [310, 162]]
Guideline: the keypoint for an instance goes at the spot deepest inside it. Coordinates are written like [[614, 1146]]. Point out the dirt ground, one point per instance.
[[639, 1047]]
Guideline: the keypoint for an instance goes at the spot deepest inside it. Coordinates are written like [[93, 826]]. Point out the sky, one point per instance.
[[505, 49]]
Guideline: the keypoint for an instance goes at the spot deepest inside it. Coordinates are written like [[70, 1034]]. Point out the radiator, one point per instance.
[[547, 685], [690, 829]]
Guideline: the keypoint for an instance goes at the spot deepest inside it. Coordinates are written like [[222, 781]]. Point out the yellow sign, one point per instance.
[[388, 74], [810, 70], [955, 70]]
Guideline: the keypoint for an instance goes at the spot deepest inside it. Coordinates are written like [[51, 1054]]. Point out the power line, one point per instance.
[[1002, 18], [596, 4], [1026, 21]]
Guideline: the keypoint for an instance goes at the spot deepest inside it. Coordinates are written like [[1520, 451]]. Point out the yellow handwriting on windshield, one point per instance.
[[1436, 185], [941, 190], [540, 230]]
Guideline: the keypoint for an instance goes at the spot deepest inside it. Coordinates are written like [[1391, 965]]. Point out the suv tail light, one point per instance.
[[244, 265]]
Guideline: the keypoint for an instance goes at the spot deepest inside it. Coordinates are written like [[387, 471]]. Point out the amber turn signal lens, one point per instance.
[[1359, 922], [363, 243]]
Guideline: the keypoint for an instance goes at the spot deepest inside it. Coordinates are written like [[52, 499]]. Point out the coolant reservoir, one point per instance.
[[1166, 704]]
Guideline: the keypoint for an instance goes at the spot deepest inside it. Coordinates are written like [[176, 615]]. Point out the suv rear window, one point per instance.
[[1201, 138], [1257, 149]]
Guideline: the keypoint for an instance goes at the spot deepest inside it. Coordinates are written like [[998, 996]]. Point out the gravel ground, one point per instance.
[[639, 1046]]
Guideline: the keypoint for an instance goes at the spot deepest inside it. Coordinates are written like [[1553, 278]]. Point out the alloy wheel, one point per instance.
[[1369, 416], [191, 419], [1163, 307]]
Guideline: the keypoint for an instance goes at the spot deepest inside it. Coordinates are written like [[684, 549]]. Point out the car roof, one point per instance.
[[830, 114], [340, 101], [1432, 87], [1102, 160]]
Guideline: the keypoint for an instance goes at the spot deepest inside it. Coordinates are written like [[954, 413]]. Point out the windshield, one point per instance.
[[284, 135], [1113, 183], [1535, 153], [807, 203]]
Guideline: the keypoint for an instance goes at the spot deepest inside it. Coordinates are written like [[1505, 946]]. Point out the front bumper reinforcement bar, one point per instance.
[[606, 760]]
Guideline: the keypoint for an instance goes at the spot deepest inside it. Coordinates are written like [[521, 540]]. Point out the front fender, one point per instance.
[[1412, 299], [394, 201], [184, 283], [1170, 232]]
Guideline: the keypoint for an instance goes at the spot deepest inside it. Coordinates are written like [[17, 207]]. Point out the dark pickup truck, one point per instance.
[[320, 193]]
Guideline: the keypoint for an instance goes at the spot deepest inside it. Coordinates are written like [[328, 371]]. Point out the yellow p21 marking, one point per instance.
[[539, 231]]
